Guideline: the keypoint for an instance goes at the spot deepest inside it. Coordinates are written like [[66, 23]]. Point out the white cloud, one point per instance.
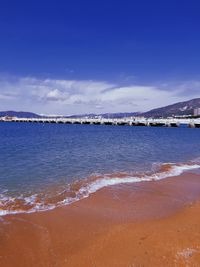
[[56, 95], [85, 96]]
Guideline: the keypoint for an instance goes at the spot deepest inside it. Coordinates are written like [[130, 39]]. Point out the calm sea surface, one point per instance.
[[33, 156]]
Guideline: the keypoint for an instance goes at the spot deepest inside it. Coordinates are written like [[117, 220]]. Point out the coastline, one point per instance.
[[140, 224]]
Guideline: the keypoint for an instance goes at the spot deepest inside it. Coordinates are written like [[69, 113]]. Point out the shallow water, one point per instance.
[[37, 160]]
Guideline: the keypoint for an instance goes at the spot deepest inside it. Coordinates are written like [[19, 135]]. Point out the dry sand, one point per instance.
[[141, 224]]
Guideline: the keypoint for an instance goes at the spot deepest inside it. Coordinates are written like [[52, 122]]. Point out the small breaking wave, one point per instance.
[[83, 188]]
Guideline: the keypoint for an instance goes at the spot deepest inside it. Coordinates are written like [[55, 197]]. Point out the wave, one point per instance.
[[83, 188]]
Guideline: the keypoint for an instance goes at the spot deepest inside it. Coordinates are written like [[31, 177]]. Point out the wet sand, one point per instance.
[[140, 224]]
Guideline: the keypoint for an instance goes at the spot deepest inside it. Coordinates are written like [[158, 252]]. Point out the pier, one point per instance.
[[169, 122]]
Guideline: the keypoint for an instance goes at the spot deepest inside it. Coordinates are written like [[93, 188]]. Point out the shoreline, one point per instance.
[[61, 195], [143, 224]]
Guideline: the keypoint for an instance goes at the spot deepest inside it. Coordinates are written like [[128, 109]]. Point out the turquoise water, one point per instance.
[[34, 157]]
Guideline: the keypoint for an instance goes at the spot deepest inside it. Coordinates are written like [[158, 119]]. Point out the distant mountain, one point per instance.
[[106, 115], [23, 114], [119, 115], [181, 108], [177, 109], [19, 114]]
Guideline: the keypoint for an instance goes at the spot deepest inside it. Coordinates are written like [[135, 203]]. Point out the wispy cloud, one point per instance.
[[83, 96]]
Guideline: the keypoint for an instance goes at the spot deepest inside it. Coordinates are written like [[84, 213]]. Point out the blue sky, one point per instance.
[[69, 57]]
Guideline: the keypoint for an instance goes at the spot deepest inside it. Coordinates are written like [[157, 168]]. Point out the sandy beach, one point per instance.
[[140, 224], [100, 133]]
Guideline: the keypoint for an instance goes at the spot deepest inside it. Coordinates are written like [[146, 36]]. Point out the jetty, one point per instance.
[[133, 121]]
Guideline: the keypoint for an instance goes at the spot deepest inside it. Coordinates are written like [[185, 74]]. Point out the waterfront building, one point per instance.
[[197, 112]]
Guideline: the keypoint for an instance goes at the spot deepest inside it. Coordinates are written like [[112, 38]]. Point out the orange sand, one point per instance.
[[143, 224]]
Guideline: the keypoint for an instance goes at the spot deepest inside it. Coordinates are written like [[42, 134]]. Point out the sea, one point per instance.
[[44, 166]]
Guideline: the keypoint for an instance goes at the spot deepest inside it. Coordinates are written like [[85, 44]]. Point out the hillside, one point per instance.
[[181, 108], [19, 114], [107, 115]]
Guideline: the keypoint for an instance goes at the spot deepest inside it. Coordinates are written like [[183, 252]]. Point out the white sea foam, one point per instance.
[[104, 182], [94, 186]]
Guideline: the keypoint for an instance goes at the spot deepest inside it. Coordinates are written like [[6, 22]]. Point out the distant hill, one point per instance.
[[106, 115], [23, 114], [119, 115], [19, 114], [180, 108]]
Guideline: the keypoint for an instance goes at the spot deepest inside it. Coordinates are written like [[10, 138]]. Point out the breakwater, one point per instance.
[[169, 122]]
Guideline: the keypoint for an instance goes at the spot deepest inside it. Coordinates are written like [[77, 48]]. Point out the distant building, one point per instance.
[[197, 112]]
